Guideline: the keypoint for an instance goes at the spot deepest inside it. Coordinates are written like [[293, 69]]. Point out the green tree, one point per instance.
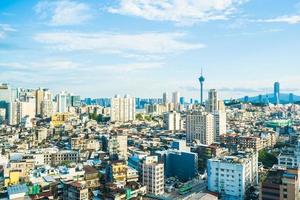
[[139, 117], [268, 159]]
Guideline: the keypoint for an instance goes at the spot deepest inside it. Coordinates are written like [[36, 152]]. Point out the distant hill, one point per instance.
[[284, 98]]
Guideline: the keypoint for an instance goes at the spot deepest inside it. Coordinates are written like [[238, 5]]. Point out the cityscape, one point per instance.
[[120, 100]]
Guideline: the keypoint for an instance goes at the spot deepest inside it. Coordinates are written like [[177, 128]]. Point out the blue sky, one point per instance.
[[99, 48]]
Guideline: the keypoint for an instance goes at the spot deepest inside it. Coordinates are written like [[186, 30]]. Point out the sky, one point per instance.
[[98, 48]]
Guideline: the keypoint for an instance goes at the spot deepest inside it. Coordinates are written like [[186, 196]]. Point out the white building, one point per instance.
[[200, 127], [63, 102], [175, 98], [24, 109], [231, 176], [290, 158], [213, 103], [172, 121], [153, 175], [122, 109], [219, 124]]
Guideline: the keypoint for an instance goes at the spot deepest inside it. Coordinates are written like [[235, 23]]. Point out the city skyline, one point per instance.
[[87, 47]]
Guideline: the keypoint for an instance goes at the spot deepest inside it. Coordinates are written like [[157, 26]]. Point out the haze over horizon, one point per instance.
[[143, 48]]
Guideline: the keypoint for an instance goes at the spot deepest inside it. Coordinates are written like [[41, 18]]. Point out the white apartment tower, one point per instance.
[[219, 124], [172, 121], [175, 98], [122, 109], [212, 102], [200, 127], [63, 102], [231, 176], [153, 175]]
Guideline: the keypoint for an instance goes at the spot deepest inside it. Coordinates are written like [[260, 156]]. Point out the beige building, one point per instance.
[[200, 127], [56, 158], [24, 166], [280, 184], [153, 175], [41, 134]]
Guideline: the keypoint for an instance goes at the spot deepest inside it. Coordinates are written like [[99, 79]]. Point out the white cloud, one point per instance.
[[45, 65], [66, 73], [178, 11], [4, 29], [63, 12], [150, 43], [290, 19], [130, 67]]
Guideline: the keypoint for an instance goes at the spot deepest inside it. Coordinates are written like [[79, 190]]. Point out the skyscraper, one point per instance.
[[291, 98], [122, 109], [175, 98], [219, 124], [39, 97], [75, 101], [6, 101], [212, 102], [277, 93], [181, 100], [165, 98], [201, 80], [63, 101]]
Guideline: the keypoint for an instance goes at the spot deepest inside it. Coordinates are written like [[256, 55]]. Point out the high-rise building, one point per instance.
[[172, 121], [201, 80], [175, 98], [212, 102], [6, 101], [277, 93], [75, 100], [122, 109], [219, 124], [24, 109], [165, 98], [39, 97], [63, 101], [47, 108], [260, 98], [231, 176], [200, 127], [291, 98], [181, 100], [153, 175]]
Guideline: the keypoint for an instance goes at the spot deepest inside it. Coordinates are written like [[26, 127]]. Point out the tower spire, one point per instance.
[[201, 80]]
